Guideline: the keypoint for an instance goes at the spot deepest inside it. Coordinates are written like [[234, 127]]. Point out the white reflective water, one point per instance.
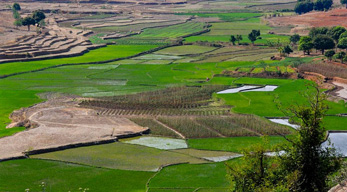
[[273, 154], [266, 88], [249, 88], [285, 122], [159, 142], [222, 158], [339, 141], [236, 90]]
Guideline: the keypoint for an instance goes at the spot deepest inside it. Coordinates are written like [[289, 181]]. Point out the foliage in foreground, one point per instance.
[[303, 166], [257, 172]]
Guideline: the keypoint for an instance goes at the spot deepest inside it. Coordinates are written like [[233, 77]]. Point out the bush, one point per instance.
[[329, 54]]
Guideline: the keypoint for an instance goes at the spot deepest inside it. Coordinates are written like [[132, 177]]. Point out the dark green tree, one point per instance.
[[256, 173], [27, 21], [344, 2], [344, 34], [287, 49], [323, 42], [318, 31], [306, 163], [232, 39], [16, 15], [16, 7], [305, 44], [342, 43], [254, 35], [18, 23], [238, 39], [335, 32], [340, 55], [38, 16], [329, 54], [303, 7], [294, 38], [321, 5]]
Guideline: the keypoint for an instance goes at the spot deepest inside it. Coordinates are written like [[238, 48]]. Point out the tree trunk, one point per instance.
[[28, 27], [322, 51], [261, 166]]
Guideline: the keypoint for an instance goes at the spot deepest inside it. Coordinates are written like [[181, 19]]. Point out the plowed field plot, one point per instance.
[[335, 17], [60, 123], [214, 126], [174, 101]]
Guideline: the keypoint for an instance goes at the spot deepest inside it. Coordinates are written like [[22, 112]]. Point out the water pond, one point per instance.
[[249, 88], [339, 141], [158, 142], [285, 122], [238, 89]]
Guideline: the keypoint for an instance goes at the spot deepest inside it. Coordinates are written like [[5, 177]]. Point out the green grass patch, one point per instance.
[[191, 176], [102, 54], [226, 16], [29, 173], [226, 38], [204, 153], [220, 32], [288, 93], [233, 144], [120, 156], [185, 50], [110, 79], [172, 31], [335, 123], [155, 128]]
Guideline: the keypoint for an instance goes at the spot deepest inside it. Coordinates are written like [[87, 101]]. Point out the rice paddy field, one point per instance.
[[167, 79], [221, 31]]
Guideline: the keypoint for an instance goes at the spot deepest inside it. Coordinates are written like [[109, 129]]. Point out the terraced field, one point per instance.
[[54, 42], [164, 69], [221, 31]]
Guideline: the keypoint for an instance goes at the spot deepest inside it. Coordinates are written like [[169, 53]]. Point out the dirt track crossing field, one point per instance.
[[61, 123]]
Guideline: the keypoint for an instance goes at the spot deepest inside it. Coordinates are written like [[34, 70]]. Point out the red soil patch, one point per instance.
[[313, 19]]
